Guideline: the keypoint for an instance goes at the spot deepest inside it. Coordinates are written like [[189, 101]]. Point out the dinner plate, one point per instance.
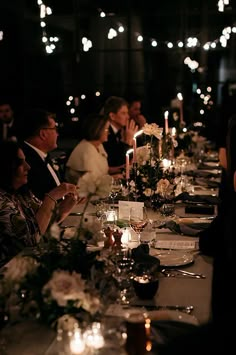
[[192, 220], [172, 315], [173, 257]]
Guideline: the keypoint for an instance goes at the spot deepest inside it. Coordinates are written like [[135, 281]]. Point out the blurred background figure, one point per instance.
[[121, 132], [89, 154], [135, 111], [7, 128]]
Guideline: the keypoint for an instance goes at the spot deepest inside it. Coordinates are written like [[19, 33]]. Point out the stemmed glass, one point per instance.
[[138, 219], [122, 274], [116, 187]]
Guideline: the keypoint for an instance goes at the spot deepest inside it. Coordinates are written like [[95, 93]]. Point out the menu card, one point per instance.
[[125, 206]]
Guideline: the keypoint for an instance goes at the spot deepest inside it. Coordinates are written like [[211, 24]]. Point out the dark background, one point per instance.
[[122, 66]]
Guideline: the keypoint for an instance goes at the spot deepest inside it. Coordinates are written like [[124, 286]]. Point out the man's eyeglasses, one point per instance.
[[54, 128]]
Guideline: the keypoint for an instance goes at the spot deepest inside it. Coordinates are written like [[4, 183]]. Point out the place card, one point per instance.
[[177, 244], [125, 206]]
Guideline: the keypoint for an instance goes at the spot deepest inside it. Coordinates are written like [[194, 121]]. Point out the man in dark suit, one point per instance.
[[38, 137], [121, 132], [7, 128]]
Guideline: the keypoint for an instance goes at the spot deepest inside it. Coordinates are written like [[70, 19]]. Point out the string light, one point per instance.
[[221, 5], [49, 42]]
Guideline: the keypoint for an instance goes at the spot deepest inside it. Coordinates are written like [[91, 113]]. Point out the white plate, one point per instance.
[[173, 257], [192, 220], [173, 316]]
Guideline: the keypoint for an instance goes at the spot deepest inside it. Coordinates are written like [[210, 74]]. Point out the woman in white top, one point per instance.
[[89, 155]]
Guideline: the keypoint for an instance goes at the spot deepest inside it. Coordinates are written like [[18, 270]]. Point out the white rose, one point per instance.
[[64, 287], [147, 192], [67, 322], [19, 267], [91, 303], [55, 231], [90, 184]]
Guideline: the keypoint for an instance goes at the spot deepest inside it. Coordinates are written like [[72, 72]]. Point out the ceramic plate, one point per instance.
[[193, 220], [173, 316], [173, 257]]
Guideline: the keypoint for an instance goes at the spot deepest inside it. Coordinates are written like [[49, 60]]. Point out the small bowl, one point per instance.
[[145, 286]]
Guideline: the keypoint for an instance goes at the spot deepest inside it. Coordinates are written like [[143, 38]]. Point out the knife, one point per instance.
[[187, 309]]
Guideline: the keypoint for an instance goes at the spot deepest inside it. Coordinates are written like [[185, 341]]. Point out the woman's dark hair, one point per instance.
[[92, 126], [9, 163]]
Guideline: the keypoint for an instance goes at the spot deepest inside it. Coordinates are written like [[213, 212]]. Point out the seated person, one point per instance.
[[7, 126], [121, 132], [37, 136], [89, 155], [24, 218], [135, 114]]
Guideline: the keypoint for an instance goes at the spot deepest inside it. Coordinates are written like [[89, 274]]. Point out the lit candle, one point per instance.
[[125, 236], [77, 344], [166, 114], [135, 145], [127, 167], [127, 175], [173, 131], [180, 97], [166, 163], [135, 150], [93, 337]]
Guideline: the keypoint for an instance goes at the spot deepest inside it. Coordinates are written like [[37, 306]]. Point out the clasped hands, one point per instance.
[[127, 133]]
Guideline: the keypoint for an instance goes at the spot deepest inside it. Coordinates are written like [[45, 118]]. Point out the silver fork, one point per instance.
[[178, 273]]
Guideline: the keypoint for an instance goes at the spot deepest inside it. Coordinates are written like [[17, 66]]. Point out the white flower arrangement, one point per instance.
[[92, 185], [153, 129], [18, 267]]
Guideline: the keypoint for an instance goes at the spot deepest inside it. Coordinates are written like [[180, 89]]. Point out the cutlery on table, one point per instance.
[[178, 272], [186, 309]]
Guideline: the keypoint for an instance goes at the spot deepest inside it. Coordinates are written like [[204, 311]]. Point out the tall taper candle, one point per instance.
[[135, 150], [166, 114], [127, 167]]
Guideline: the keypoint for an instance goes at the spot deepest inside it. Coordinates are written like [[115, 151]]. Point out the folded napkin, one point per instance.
[[141, 256], [185, 196], [190, 229]]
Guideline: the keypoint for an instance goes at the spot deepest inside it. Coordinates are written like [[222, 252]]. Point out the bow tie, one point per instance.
[[118, 136], [48, 159]]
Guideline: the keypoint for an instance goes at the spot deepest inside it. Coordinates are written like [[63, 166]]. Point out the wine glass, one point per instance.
[[116, 187], [138, 219], [122, 274]]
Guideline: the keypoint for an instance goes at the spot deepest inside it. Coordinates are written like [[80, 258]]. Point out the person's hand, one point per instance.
[[128, 133], [63, 190], [66, 205]]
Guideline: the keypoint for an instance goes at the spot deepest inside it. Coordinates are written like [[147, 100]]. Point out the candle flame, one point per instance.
[[138, 133], [129, 151]]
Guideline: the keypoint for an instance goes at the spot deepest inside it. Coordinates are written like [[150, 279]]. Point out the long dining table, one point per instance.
[[32, 338]]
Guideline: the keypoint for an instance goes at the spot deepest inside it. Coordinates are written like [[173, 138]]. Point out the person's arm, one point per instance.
[[222, 157], [44, 213]]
